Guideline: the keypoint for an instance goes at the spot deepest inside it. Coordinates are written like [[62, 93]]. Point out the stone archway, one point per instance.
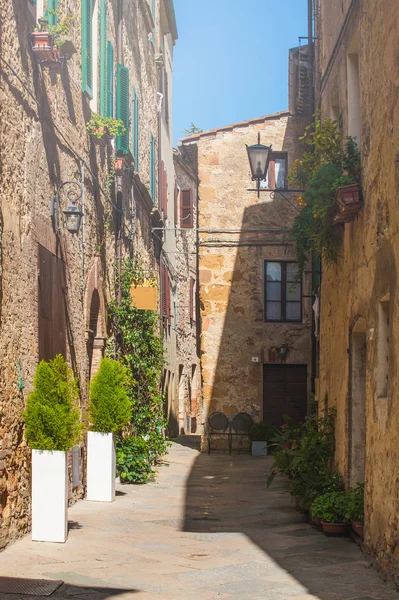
[[357, 403], [95, 318]]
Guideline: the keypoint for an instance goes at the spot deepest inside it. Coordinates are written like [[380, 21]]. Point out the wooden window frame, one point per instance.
[[283, 299], [185, 222]]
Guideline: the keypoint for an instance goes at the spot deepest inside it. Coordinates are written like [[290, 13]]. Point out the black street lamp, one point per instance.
[[73, 217], [259, 157]]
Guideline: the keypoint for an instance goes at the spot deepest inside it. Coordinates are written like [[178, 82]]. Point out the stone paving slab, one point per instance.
[[207, 529]]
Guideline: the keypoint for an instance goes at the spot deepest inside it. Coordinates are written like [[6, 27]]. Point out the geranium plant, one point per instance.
[[60, 30], [99, 126], [328, 163], [332, 507]]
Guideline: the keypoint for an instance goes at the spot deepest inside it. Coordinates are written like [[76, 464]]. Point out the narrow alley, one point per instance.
[[207, 528]]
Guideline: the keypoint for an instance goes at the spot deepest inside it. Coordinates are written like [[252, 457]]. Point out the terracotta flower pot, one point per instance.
[[43, 45], [335, 528], [358, 528], [348, 194], [316, 521]]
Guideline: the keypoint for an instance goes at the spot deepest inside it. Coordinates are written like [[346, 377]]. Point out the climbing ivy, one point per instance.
[[138, 346]]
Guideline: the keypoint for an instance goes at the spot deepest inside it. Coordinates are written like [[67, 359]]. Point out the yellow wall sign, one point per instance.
[[144, 297]]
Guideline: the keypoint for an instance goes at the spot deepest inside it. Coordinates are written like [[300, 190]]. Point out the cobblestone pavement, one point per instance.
[[206, 529]]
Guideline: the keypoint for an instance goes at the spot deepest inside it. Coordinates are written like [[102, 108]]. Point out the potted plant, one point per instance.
[[98, 126], [109, 411], [332, 509], [356, 509], [260, 434], [48, 39], [52, 420]]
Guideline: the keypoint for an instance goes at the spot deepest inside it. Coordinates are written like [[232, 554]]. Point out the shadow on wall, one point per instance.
[[226, 498], [232, 304]]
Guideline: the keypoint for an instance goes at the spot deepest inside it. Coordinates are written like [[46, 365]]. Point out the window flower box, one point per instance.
[[46, 53]]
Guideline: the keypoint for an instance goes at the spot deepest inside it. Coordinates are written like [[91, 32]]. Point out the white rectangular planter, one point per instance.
[[101, 466], [259, 449], [49, 496]]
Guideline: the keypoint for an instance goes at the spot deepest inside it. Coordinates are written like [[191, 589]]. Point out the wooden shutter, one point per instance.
[[103, 58], [164, 190], [110, 80], [152, 169], [165, 282], [87, 48], [186, 208], [52, 5], [272, 174], [122, 106], [135, 129], [176, 203], [192, 292], [51, 305]]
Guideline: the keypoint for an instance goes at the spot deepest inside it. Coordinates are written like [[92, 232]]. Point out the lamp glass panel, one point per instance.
[[259, 158]]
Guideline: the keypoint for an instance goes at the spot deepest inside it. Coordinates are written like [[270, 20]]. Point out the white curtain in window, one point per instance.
[[280, 172]]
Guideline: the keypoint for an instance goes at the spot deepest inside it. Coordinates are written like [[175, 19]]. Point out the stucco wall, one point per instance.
[[367, 271], [237, 233]]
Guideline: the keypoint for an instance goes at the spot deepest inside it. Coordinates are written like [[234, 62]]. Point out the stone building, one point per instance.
[[255, 311], [55, 286], [357, 84], [186, 223]]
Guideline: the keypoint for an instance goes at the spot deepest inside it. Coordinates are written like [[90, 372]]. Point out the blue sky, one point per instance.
[[231, 59]]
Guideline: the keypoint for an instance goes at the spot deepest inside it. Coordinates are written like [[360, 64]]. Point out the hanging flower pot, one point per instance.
[[118, 165], [348, 195], [42, 45]]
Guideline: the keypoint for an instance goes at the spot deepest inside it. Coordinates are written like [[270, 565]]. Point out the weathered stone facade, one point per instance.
[[358, 84], [189, 376], [237, 233], [43, 144]]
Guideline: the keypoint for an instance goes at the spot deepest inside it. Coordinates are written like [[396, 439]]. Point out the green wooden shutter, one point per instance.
[[87, 47], [122, 106], [135, 129], [110, 80], [52, 5], [103, 58], [153, 193], [153, 9]]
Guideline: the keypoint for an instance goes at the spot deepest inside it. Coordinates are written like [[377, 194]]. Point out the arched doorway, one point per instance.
[[95, 324], [357, 403]]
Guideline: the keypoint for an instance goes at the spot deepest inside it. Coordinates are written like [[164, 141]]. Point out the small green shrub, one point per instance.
[[109, 407], [52, 414], [332, 507], [99, 126], [356, 503], [133, 462], [261, 432]]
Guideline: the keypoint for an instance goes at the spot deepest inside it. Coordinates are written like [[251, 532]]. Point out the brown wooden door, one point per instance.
[[52, 307], [284, 393]]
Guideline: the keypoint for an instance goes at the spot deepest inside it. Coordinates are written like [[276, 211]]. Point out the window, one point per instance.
[[276, 176], [135, 129], [122, 106], [176, 204], [153, 178], [283, 292], [383, 349], [103, 59], [186, 208], [165, 283], [87, 47]]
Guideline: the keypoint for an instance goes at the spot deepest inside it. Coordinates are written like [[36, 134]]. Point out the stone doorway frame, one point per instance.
[[95, 325]]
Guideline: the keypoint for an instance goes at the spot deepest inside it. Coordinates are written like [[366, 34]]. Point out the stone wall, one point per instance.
[[237, 233], [43, 144], [359, 295], [189, 376]]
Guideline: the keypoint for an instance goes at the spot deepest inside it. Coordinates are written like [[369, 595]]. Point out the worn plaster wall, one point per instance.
[[43, 139], [367, 271], [189, 382], [237, 233]]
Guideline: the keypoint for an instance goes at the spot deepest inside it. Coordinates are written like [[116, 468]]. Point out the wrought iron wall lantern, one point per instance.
[[259, 158], [73, 213]]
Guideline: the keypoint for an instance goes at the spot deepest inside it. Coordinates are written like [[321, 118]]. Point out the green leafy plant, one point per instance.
[[52, 415], [99, 126], [61, 29], [261, 432], [327, 163], [110, 408], [133, 463], [138, 346], [356, 504], [332, 507], [192, 129]]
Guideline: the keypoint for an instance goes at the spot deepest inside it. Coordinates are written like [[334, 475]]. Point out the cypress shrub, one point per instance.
[[52, 415], [110, 408]]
